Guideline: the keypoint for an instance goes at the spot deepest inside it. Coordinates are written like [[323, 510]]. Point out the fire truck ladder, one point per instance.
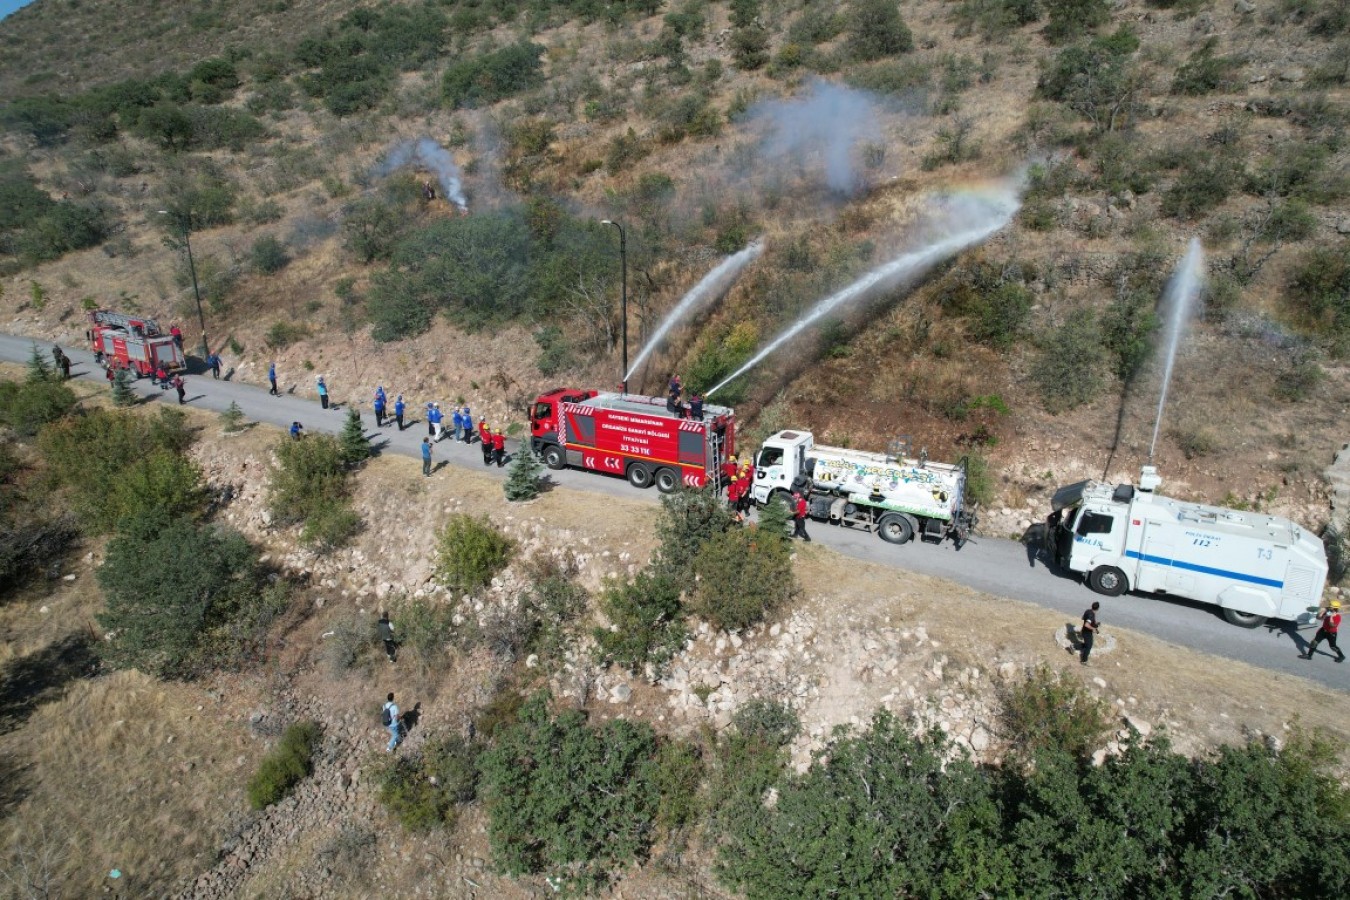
[[122, 320]]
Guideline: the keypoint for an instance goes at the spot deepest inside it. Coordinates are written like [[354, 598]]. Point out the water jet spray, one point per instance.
[[1179, 299]]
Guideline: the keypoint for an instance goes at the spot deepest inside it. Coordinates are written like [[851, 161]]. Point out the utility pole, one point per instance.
[[184, 225], [623, 262]]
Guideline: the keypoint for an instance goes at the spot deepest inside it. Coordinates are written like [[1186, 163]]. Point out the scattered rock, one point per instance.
[[1293, 74], [620, 693]]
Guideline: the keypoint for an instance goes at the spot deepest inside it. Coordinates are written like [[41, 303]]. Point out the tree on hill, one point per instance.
[[355, 446], [876, 30], [122, 394], [522, 481]]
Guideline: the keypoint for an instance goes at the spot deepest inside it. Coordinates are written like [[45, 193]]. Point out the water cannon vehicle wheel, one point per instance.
[[1108, 581], [894, 529], [639, 476], [1242, 619], [554, 457], [667, 481]]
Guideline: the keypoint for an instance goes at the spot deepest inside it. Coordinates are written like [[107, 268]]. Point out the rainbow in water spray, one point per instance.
[[954, 221]]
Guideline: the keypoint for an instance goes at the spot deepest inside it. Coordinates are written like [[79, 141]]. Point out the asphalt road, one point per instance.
[[993, 565]]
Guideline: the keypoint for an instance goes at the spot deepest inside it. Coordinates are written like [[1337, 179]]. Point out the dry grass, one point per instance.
[[130, 774]]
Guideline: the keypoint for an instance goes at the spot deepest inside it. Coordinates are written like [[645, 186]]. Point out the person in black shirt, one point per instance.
[[1088, 632]]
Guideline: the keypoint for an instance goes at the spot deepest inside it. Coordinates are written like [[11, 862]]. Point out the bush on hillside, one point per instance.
[[424, 790], [876, 30], [22, 202], [1319, 285], [26, 407], [646, 623], [268, 255], [573, 801], [1098, 80], [1071, 19], [1051, 710], [140, 466], [469, 552], [744, 575], [66, 227], [995, 304], [1128, 327], [289, 763], [1069, 363], [309, 486], [496, 75], [167, 582], [1206, 72], [687, 519], [1206, 180]]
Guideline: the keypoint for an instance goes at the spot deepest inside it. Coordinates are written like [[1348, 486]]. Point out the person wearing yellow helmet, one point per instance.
[[1331, 624]]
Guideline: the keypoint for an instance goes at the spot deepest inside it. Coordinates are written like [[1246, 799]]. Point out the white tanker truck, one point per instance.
[[1122, 538], [896, 496]]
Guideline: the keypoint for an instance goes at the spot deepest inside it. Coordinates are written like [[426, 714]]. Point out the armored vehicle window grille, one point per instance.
[[1299, 583]]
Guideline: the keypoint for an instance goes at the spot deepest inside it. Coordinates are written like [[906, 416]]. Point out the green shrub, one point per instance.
[[623, 151], [555, 350], [1068, 367], [570, 800], [493, 76], [1319, 285], [767, 721], [309, 486], [750, 47], [817, 23], [1300, 377], [289, 763], [1098, 80], [929, 832], [167, 582], [281, 335], [140, 466], [1205, 73], [1128, 327], [743, 576], [27, 407], [221, 127], [1050, 710], [876, 30], [994, 19], [268, 255], [66, 227], [232, 418], [1205, 181], [995, 305], [1070, 19], [371, 229], [1194, 441], [22, 203], [687, 519], [424, 790], [646, 623], [469, 552]]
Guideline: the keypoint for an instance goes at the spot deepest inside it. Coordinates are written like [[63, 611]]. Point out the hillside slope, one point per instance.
[[823, 128]]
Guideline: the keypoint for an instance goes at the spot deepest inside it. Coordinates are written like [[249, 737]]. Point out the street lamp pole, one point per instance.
[[192, 270], [623, 262]]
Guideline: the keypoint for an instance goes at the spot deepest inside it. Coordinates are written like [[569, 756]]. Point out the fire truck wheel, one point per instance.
[[1108, 581], [667, 481], [639, 476], [894, 529], [1243, 620], [554, 457]]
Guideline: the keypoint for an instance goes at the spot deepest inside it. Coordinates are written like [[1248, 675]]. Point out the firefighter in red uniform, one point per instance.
[[486, 436], [734, 488], [499, 448], [1331, 624], [799, 518], [747, 484]]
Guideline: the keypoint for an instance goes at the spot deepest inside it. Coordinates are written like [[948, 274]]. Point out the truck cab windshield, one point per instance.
[[542, 411], [769, 456], [1095, 523]]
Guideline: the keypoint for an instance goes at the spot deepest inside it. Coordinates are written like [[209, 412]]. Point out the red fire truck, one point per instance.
[[126, 342], [633, 436]]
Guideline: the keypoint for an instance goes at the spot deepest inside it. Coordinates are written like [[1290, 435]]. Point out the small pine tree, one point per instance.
[[38, 367], [232, 417], [774, 517], [522, 482], [122, 393], [355, 447]]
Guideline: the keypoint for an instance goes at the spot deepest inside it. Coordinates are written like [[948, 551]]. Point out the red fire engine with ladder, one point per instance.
[[136, 344], [632, 436]]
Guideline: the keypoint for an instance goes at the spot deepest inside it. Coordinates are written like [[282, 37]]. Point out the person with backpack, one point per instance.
[[390, 718], [272, 379], [379, 408], [214, 362], [1331, 624]]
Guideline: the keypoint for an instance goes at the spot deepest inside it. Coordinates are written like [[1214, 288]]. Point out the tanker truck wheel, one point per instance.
[[639, 476], [894, 529], [1242, 619], [1108, 581], [554, 457]]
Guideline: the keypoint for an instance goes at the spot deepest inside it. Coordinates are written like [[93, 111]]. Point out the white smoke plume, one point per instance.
[[428, 154], [827, 121]]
